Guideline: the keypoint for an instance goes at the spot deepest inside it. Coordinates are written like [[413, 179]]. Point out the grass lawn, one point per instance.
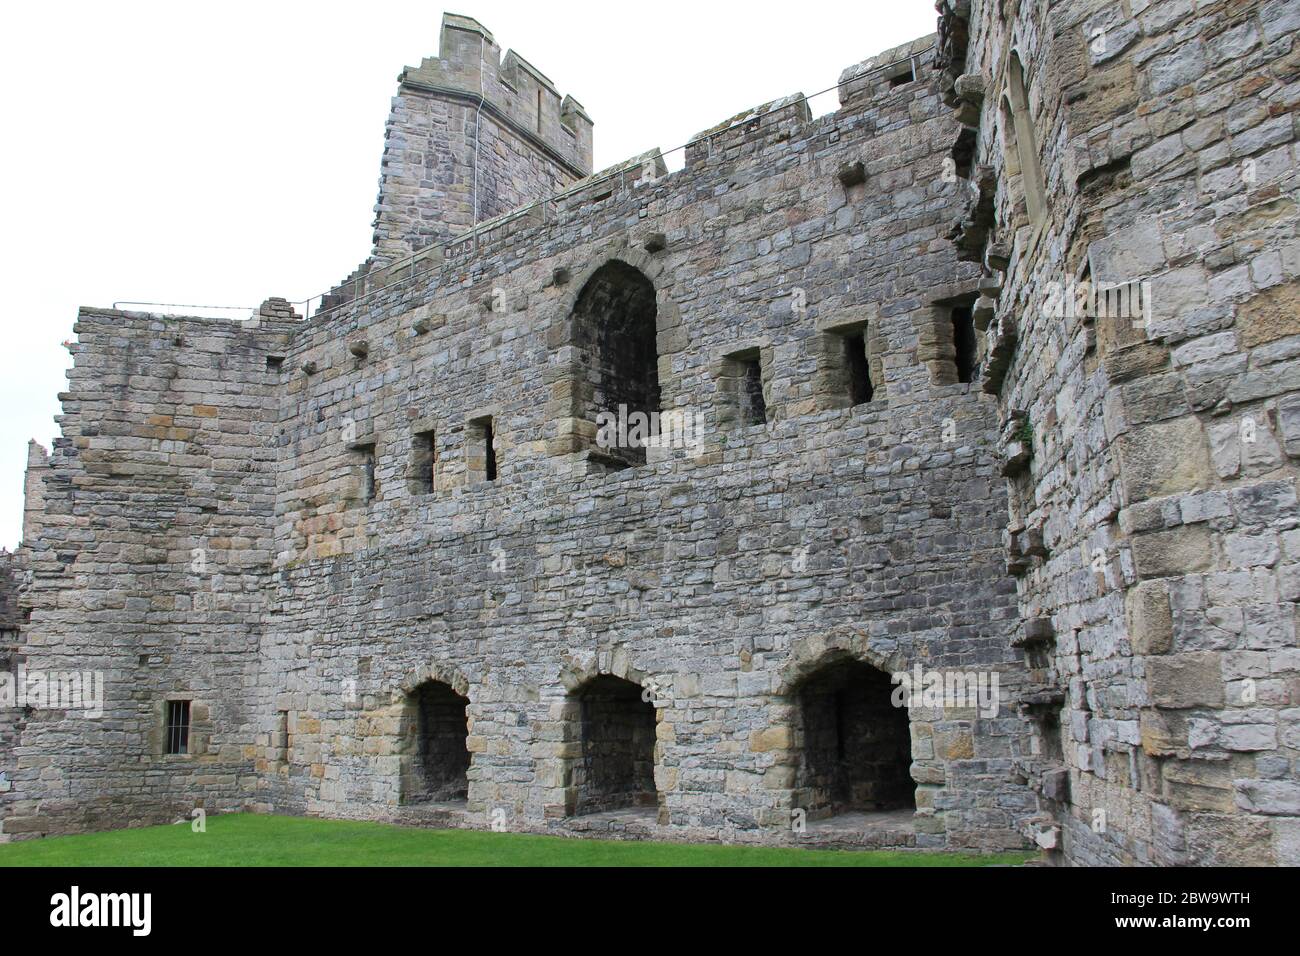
[[255, 840]]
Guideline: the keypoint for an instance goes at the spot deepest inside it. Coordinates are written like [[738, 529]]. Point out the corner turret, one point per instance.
[[471, 136]]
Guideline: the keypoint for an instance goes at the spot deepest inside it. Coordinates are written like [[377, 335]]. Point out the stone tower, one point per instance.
[[472, 136]]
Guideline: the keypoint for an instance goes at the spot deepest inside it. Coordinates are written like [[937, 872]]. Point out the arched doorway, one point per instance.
[[854, 746], [435, 759], [615, 761]]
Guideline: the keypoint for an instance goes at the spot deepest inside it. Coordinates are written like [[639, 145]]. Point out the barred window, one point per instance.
[[178, 726]]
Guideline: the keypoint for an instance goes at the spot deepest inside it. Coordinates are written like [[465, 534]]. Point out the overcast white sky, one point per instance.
[[221, 154]]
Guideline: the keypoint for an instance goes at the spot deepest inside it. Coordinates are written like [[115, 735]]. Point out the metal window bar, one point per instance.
[[178, 726]]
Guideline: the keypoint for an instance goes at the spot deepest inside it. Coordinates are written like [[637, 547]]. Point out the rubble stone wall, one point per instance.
[[297, 524], [1162, 479]]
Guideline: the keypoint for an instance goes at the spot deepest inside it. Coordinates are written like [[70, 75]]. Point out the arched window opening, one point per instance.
[[1021, 144], [854, 745], [435, 759], [618, 380]]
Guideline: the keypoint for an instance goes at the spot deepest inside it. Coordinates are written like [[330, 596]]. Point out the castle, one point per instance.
[[983, 533]]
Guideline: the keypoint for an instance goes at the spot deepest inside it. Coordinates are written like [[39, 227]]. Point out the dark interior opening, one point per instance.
[[286, 744], [902, 78], [614, 330], [489, 452], [963, 152], [424, 462], [178, 726], [855, 745], [441, 760], [616, 766], [1050, 730], [369, 481], [859, 370], [963, 340], [754, 408]]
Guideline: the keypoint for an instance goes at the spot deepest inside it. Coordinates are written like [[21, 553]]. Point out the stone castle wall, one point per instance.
[[682, 573], [717, 575], [1162, 484], [155, 532], [11, 716], [295, 525]]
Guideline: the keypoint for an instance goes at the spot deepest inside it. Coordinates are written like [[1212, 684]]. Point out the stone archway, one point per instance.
[[433, 728], [853, 745], [611, 755], [843, 745], [435, 757], [611, 333], [613, 768]]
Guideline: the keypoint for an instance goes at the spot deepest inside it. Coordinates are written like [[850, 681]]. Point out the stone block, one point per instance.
[[1270, 797], [1177, 551], [1178, 681], [1134, 252], [1164, 458], [1288, 423], [1150, 624], [1269, 315]]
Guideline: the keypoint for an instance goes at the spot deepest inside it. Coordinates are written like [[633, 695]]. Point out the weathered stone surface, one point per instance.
[[1269, 796], [1173, 552], [1185, 680], [1150, 625], [1270, 315], [1164, 458], [299, 553]]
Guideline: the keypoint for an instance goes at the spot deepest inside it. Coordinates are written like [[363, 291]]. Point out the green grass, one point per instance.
[[254, 840]]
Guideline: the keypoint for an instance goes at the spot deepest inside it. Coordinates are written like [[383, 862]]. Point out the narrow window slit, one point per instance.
[[284, 741], [424, 463], [755, 408], [480, 449], [369, 481], [178, 727], [964, 343], [858, 368]]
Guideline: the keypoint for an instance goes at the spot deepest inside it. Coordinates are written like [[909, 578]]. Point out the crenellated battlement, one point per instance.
[[469, 62], [437, 227], [472, 135], [878, 75]]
